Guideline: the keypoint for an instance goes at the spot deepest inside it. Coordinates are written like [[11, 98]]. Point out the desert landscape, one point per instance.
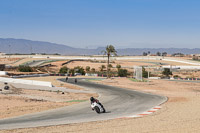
[[104, 66], [178, 114]]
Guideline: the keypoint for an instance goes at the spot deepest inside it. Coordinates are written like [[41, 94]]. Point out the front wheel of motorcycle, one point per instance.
[[104, 111], [97, 109]]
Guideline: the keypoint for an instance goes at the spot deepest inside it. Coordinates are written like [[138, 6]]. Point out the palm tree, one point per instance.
[[110, 50]]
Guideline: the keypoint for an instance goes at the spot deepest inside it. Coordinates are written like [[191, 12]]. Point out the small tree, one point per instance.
[[158, 54], [80, 70], [25, 69], [122, 72], [71, 72], [164, 53], [144, 54], [87, 68], [63, 70], [93, 69], [118, 66], [110, 66], [102, 67], [167, 72], [144, 73]]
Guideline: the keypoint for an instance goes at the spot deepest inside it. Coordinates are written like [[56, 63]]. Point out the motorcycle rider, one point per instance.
[[92, 100], [75, 80], [66, 78]]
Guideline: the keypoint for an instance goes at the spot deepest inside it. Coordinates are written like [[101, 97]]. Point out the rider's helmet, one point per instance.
[[92, 99]]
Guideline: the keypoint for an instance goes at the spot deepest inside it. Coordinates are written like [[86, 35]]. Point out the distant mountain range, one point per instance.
[[22, 46]]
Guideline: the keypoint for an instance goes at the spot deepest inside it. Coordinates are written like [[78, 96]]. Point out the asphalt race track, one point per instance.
[[118, 102]]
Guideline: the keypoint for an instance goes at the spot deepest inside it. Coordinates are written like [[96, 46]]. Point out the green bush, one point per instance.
[[71, 72], [144, 73], [93, 70], [118, 66], [63, 70], [122, 73], [167, 72], [80, 70], [102, 67], [176, 76], [87, 68], [25, 69]]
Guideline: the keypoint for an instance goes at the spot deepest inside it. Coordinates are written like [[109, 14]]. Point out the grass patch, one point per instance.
[[75, 101], [25, 63], [135, 80]]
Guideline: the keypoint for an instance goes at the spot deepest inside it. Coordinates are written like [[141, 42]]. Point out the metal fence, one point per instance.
[[138, 72]]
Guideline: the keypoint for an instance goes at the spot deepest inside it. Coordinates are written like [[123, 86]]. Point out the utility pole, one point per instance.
[[31, 49], [9, 49]]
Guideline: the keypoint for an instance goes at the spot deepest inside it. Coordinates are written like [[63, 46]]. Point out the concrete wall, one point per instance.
[[3, 73], [182, 67], [29, 82]]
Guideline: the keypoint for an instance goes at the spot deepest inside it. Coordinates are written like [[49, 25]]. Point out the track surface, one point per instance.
[[118, 103]]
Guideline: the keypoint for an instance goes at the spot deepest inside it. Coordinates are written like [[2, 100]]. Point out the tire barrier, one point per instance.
[[31, 75]]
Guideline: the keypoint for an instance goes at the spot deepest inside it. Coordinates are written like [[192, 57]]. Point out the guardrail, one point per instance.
[[191, 79]]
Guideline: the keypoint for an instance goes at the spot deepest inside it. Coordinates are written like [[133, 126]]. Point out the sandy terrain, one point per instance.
[[179, 114], [194, 74], [8, 61], [59, 63]]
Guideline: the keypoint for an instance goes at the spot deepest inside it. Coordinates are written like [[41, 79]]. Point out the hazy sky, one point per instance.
[[93, 23]]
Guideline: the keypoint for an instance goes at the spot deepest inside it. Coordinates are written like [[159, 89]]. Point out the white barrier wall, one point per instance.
[[29, 82], [91, 74], [33, 75], [182, 67], [3, 73]]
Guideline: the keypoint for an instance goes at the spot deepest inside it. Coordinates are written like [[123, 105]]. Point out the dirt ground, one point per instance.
[[8, 61], [16, 102], [180, 114]]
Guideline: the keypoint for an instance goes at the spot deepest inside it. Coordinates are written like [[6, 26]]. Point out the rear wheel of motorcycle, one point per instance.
[[97, 109]]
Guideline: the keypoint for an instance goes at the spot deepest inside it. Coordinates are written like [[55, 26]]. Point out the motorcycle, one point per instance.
[[98, 108], [75, 81]]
